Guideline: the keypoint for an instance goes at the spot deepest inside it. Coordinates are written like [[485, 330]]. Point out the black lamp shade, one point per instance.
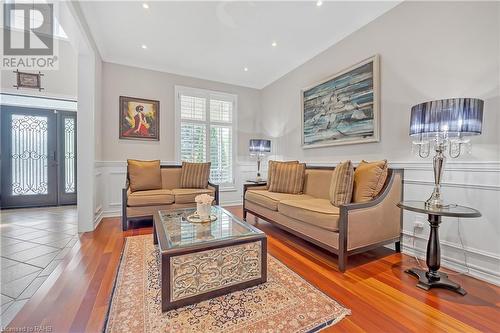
[[259, 146], [460, 116]]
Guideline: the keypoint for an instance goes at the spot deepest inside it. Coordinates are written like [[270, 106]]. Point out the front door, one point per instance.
[[38, 155]]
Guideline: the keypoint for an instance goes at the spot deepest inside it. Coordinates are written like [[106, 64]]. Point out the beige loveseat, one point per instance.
[[143, 204], [344, 230]]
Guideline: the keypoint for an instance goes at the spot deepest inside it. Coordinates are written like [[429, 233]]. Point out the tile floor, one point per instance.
[[33, 242]]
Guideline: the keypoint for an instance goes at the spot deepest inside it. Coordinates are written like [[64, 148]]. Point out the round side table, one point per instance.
[[433, 278]]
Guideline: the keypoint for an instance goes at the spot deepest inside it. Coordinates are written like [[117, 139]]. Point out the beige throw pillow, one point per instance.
[[342, 184], [271, 167], [144, 175], [195, 175], [369, 179], [288, 178]]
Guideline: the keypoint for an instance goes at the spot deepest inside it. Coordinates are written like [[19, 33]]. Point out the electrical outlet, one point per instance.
[[418, 225]]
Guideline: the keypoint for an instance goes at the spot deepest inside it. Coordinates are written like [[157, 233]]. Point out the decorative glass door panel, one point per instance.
[[38, 157], [28, 157], [69, 155], [67, 166]]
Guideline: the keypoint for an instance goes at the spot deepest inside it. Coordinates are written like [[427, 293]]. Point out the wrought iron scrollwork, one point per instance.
[[29, 155]]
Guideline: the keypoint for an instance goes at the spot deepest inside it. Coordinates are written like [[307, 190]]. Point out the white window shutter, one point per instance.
[[206, 131]]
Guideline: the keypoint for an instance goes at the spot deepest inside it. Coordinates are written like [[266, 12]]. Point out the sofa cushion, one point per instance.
[[144, 175], [270, 200], [271, 167], [342, 183], [369, 179], [150, 198], [195, 175], [288, 178], [187, 195], [318, 212]]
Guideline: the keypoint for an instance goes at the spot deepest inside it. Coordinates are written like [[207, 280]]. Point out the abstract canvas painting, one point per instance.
[[342, 109], [139, 119]]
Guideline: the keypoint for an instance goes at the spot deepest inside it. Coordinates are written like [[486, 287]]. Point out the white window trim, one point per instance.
[[178, 90]]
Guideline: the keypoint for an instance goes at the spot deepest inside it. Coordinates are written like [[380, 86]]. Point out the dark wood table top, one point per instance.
[[452, 210]]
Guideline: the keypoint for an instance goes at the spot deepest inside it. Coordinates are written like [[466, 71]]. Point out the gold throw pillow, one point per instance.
[[369, 179], [288, 178], [342, 184], [271, 167], [195, 175], [144, 175]]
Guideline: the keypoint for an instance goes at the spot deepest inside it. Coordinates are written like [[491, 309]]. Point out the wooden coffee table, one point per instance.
[[200, 261]]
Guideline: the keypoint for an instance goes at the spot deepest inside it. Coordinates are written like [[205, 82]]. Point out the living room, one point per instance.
[[243, 85]]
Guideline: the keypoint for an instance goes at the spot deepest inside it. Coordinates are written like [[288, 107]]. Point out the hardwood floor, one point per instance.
[[381, 296]]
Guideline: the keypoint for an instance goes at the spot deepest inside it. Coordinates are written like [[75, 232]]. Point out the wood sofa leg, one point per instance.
[[397, 246], [124, 223], [244, 215], [255, 219], [342, 262]]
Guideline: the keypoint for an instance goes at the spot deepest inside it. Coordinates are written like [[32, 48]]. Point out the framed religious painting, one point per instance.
[[343, 108], [139, 119]]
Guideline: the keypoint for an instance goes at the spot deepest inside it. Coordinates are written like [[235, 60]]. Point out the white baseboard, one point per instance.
[[98, 218], [232, 203], [471, 269]]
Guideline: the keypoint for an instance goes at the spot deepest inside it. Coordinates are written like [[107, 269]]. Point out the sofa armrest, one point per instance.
[[378, 220], [261, 186], [215, 188]]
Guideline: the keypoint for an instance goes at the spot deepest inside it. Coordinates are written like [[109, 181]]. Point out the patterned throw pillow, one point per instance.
[[369, 179], [144, 175], [271, 168], [288, 178], [342, 184], [195, 175]]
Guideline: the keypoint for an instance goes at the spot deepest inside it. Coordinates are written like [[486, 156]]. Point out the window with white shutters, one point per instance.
[[205, 130]]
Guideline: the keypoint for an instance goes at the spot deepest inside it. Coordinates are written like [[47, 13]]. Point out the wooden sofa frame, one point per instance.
[[342, 251], [125, 219]]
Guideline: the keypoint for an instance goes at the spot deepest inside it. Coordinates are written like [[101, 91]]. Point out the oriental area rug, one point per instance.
[[285, 303]]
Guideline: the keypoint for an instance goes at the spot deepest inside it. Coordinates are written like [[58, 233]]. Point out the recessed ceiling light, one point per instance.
[[319, 3], [145, 6], [144, 46], [245, 69], [274, 44]]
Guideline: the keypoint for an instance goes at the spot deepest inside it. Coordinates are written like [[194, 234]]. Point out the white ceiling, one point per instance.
[[217, 40]]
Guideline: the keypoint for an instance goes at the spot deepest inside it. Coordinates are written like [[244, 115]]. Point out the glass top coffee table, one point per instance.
[[204, 260]]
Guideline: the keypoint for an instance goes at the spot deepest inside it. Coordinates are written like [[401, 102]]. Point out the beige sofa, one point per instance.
[[143, 204], [344, 230]]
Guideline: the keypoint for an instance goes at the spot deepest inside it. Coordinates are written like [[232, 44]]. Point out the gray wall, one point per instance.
[[428, 50], [60, 83], [121, 80]]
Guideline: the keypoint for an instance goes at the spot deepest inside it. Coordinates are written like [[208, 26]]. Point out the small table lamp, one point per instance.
[[444, 124], [258, 147]]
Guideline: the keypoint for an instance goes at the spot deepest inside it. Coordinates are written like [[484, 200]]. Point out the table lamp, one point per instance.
[[443, 125], [258, 147]]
